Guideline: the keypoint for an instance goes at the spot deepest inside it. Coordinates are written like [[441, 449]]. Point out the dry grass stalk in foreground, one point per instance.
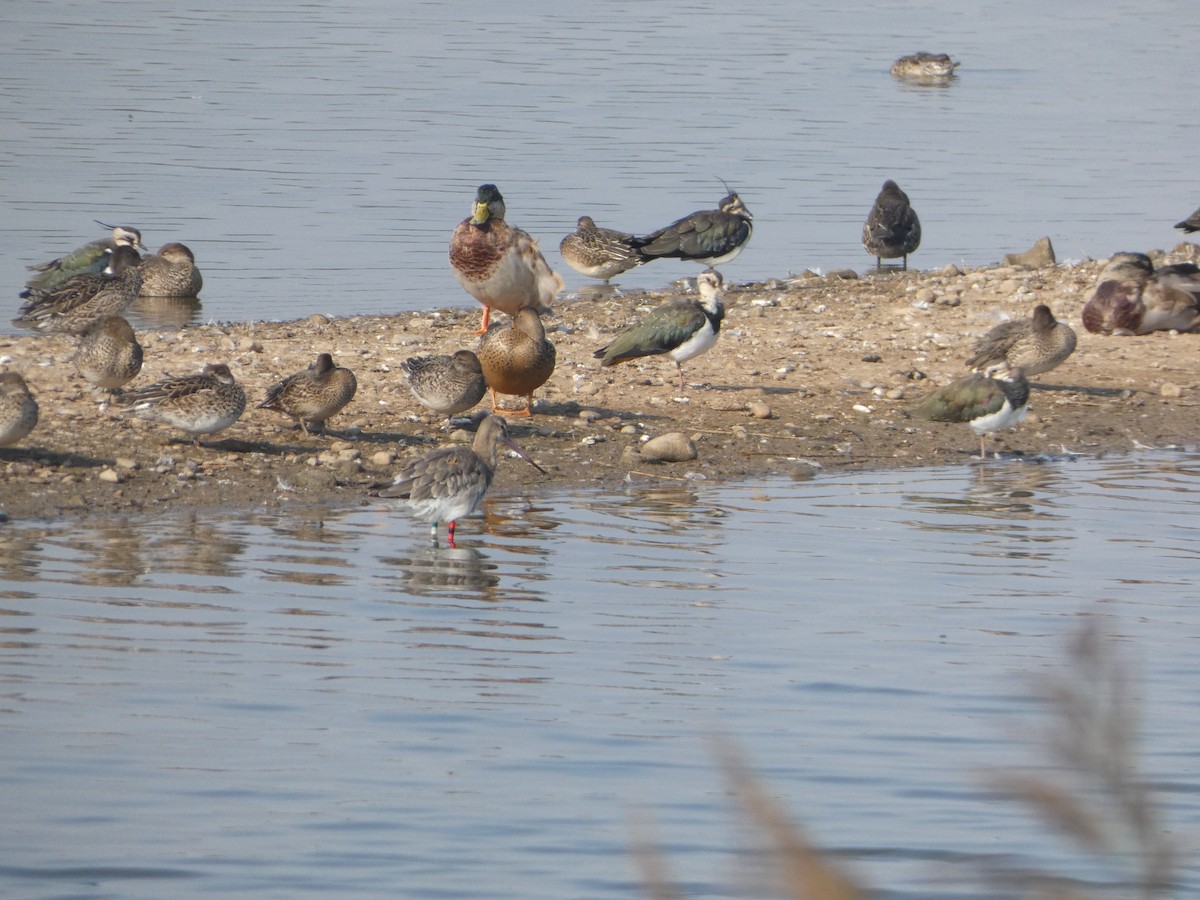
[[1096, 796], [1093, 796]]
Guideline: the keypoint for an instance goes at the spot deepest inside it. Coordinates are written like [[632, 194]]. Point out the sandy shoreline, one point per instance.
[[808, 371]]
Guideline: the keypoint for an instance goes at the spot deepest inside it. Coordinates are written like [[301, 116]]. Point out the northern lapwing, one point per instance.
[[987, 404], [449, 484], [90, 259], [709, 236], [892, 228], [497, 264], [682, 329]]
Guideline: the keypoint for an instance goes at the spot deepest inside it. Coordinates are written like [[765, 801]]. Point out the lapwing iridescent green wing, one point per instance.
[[90, 259], [682, 329], [709, 236], [986, 404]]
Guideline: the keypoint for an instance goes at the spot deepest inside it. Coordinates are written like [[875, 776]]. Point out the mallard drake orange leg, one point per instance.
[[527, 411]]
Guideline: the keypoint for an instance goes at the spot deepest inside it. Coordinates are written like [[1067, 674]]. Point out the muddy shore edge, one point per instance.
[[811, 374]]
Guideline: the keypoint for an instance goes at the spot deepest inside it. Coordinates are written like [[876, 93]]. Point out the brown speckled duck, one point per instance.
[[18, 409], [313, 395], [205, 403], [499, 265], [109, 355], [1035, 345], [76, 303], [892, 228], [922, 67], [447, 385], [599, 252], [171, 272], [517, 359], [1130, 297]]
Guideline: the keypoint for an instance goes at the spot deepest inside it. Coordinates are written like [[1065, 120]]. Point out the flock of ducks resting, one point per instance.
[[85, 293]]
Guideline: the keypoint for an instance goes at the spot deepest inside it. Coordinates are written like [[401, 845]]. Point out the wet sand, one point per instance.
[[810, 374]]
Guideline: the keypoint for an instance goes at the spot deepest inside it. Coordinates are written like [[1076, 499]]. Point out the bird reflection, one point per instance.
[[191, 547], [20, 553], [435, 570], [164, 312], [1021, 490]]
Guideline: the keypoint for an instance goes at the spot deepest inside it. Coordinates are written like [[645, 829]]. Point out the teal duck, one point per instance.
[[987, 404], [109, 355], [1131, 297], [1035, 345], [446, 385], [517, 359], [90, 259], [497, 264], [449, 484], [892, 228], [682, 329], [171, 272], [599, 252], [709, 236], [77, 302], [18, 409], [205, 403], [313, 395], [925, 67]]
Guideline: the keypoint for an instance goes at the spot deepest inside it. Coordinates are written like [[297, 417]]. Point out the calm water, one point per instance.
[[317, 156], [318, 703]]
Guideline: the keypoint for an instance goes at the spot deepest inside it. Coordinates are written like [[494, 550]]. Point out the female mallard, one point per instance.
[[90, 259], [599, 252], [1035, 345], [892, 228], [171, 272], [517, 359], [682, 329], [447, 385], [314, 394], [498, 265], [1130, 297], [78, 302]]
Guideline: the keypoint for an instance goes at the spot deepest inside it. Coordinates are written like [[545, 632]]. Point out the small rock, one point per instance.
[[112, 476], [588, 415], [673, 446], [124, 462], [759, 410], [1040, 254], [872, 357], [383, 458], [1170, 389]]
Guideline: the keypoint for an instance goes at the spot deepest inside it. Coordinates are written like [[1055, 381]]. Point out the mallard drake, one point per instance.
[[171, 272], [892, 228], [517, 359], [987, 404], [313, 395], [709, 236], [450, 483], [1190, 224], [599, 252], [922, 66], [77, 302], [205, 403], [497, 264], [18, 409], [1130, 297], [447, 385], [109, 355], [682, 329], [1034, 345], [90, 259]]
